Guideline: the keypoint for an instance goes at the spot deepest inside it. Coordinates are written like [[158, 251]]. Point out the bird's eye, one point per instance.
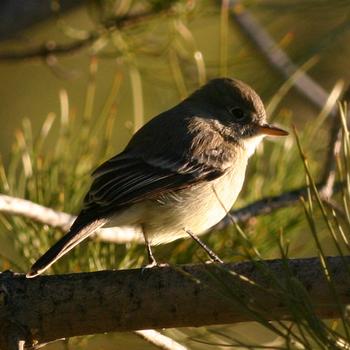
[[239, 114]]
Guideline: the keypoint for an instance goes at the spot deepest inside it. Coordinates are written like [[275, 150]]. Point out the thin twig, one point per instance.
[[329, 175], [159, 340], [276, 56], [267, 205], [35, 212], [334, 146], [303, 83], [50, 48], [41, 345], [122, 235], [61, 220], [211, 254]]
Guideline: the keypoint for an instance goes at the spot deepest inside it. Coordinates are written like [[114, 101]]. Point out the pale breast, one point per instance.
[[196, 209]]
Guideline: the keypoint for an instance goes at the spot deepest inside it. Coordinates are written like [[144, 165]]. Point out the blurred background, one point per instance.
[[78, 78]]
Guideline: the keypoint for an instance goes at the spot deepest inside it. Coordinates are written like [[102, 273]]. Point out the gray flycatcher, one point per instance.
[[183, 170]]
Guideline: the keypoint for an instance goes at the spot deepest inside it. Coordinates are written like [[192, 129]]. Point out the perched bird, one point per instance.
[[183, 170]]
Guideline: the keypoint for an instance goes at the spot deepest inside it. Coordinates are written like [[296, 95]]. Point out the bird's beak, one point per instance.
[[271, 130]]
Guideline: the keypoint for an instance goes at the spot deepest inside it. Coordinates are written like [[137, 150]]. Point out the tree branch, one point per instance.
[[61, 220], [277, 57], [267, 205], [48, 49], [334, 147], [52, 307], [51, 48], [122, 235], [35, 212], [308, 87], [159, 340], [29, 13]]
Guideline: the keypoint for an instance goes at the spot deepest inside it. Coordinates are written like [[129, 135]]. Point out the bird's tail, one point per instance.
[[76, 235]]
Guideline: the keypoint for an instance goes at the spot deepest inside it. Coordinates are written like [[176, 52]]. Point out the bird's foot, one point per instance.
[[153, 264]]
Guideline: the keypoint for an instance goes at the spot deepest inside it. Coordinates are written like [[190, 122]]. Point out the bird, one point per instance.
[[182, 170]]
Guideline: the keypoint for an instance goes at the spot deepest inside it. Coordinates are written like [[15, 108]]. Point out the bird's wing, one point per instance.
[[146, 170], [123, 181]]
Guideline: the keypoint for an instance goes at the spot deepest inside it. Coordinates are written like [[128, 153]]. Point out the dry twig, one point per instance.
[[159, 340]]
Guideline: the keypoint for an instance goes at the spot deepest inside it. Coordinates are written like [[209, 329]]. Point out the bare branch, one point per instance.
[[61, 220], [276, 56], [53, 307], [122, 235], [51, 48], [305, 85], [36, 212], [267, 205], [159, 340], [333, 151], [329, 174], [334, 147]]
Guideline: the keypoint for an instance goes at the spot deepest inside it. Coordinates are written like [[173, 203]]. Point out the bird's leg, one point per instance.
[[211, 254], [151, 259]]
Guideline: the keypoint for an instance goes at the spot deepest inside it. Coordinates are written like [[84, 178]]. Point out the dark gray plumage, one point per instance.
[[183, 169]]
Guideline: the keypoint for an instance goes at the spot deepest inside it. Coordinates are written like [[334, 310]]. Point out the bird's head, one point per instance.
[[237, 109]]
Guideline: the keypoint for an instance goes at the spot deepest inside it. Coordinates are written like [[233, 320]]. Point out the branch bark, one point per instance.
[[52, 307]]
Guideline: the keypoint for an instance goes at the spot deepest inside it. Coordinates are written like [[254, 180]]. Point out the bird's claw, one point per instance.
[[153, 264]]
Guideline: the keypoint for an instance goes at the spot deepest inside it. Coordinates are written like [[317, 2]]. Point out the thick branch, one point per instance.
[[52, 307]]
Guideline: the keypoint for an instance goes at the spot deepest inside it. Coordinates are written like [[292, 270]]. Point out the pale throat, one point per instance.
[[252, 143]]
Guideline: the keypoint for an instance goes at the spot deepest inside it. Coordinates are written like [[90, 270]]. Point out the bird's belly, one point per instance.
[[196, 209]]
